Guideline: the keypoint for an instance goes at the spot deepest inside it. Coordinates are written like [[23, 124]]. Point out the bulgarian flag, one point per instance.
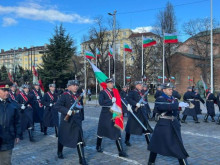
[[148, 42], [98, 54], [89, 55], [170, 38], [117, 107], [35, 79], [127, 48], [165, 78], [159, 78], [110, 53], [189, 79]]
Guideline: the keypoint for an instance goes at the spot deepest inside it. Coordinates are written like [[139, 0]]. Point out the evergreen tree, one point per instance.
[[57, 59], [4, 74]]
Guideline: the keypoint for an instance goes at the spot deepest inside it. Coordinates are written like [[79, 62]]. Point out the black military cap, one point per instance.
[[14, 85], [73, 82], [109, 80], [138, 82], [168, 85], [25, 86], [36, 84], [52, 85], [4, 85]]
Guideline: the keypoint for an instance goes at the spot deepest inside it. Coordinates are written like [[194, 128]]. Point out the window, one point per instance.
[[26, 59], [124, 34], [36, 59]]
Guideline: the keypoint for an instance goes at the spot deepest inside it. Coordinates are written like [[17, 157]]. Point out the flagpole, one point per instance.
[[142, 58], [124, 67], [96, 87], [211, 47], [109, 67], [85, 70], [163, 58]]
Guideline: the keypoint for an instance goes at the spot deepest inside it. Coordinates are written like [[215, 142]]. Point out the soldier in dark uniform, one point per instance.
[[70, 132], [9, 124], [106, 126], [189, 96], [139, 109], [197, 100], [166, 139], [12, 92], [210, 101], [50, 118], [26, 112], [37, 105], [123, 95], [177, 96], [218, 103], [144, 90], [156, 95]]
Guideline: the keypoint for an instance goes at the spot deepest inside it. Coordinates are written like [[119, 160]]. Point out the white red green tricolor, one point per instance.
[[117, 108], [89, 55], [110, 53], [149, 42], [170, 38], [98, 54], [127, 48]]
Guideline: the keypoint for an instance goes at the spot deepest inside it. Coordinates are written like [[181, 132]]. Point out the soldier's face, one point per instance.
[[139, 86], [52, 89], [13, 89], [37, 87], [26, 90], [110, 85], [168, 91], [73, 88], [4, 94]]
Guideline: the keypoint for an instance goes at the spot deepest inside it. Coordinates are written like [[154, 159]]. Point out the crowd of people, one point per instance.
[[21, 109]]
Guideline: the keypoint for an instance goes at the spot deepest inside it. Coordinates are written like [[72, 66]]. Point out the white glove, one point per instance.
[[183, 105], [113, 99], [22, 106], [38, 97], [142, 105], [51, 104], [76, 111], [138, 105], [129, 108], [69, 113]]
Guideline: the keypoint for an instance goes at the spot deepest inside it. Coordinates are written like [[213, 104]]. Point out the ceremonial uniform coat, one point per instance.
[[210, 100]]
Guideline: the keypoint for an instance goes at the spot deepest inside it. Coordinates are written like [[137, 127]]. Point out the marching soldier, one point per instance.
[[9, 124], [26, 112], [166, 139], [37, 105], [210, 100], [145, 89], [139, 109], [177, 96], [156, 95], [50, 118], [12, 92], [197, 100], [218, 103], [106, 126], [189, 96], [123, 95], [70, 132]]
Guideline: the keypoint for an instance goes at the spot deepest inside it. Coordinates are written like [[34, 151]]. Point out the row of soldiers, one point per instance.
[[165, 139]]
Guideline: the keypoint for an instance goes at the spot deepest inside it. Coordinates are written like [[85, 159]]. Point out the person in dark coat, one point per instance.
[[123, 94], [51, 118], [145, 90], [156, 95], [106, 126], [9, 124], [177, 96], [210, 101], [37, 105], [197, 100], [24, 98], [189, 96], [70, 132], [166, 139], [12, 92], [139, 109], [218, 103]]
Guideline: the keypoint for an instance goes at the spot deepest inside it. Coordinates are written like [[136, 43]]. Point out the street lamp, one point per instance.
[[114, 47]]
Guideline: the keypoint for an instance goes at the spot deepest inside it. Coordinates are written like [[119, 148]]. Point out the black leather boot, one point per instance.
[[196, 119], [45, 130], [206, 118], [80, 150], [213, 120], [147, 137], [121, 151], [127, 139], [152, 158], [183, 162], [184, 119], [30, 133], [21, 136], [56, 131], [60, 150], [41, 127], [98, 144]]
